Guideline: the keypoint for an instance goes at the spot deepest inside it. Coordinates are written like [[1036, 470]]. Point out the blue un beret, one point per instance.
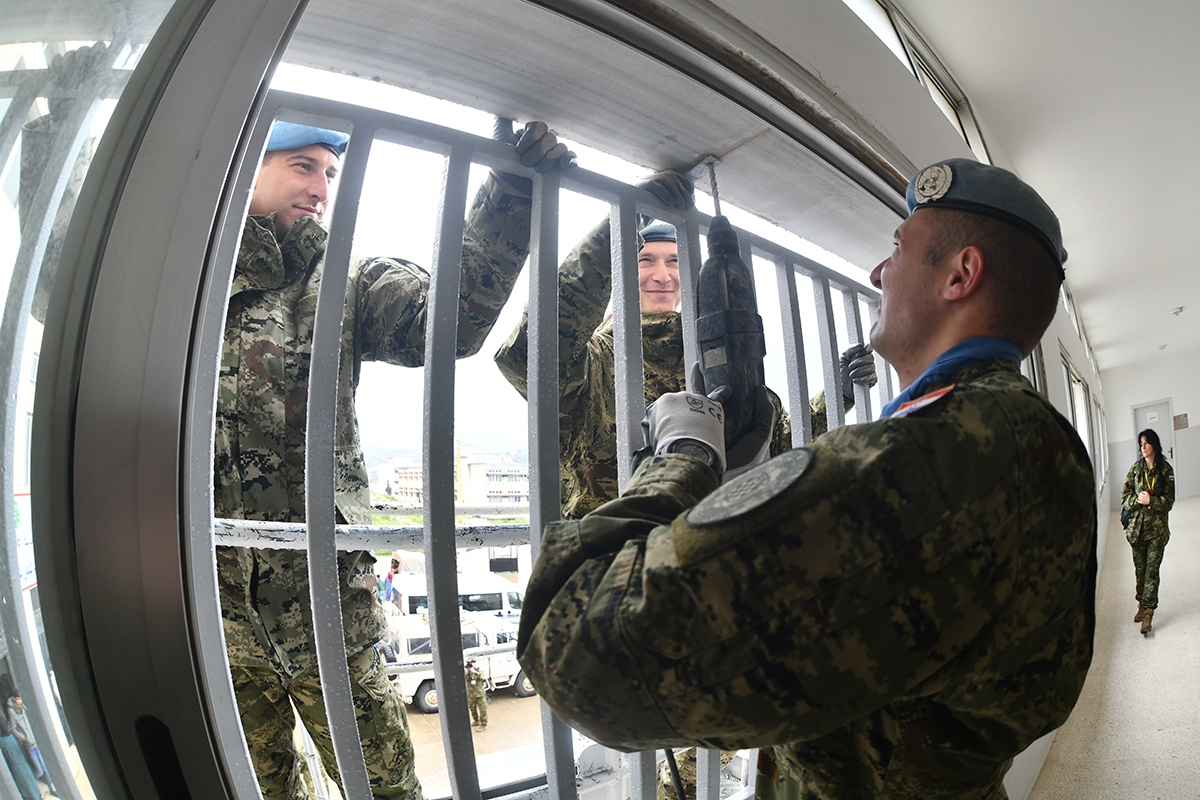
[[967, 185], [289, 136], [658, 231]]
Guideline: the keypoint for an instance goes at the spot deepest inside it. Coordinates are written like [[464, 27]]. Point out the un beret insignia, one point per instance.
[[933, 183], [752, 489]]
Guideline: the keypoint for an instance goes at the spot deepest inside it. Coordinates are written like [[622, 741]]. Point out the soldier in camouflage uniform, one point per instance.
[[586, 353], [477, 695], [1148, 494], [896, 610], [260, 443]]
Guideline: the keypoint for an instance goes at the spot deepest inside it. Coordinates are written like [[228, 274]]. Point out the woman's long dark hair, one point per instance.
[[1151, 436]]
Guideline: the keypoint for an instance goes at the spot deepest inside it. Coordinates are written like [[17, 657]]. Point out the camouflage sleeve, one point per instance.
[[391, 294], [584, 287], [818, 414], [1164, 499], [802, 595], [781, 436], [1129, 491]]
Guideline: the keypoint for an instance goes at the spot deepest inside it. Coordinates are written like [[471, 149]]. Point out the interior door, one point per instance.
[[1157, 416]]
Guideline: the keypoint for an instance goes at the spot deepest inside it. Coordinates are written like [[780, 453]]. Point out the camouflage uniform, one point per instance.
[[899, 608], [1147, 532], [477, 695], [587, 405], [259, 471]]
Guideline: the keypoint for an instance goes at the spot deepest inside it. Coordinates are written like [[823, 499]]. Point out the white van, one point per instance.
[[409, 638], [490, 612], [478, 592]]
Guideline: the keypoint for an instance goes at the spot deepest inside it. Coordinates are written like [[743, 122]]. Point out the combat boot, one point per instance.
[[1146, 621], [1140, 614]]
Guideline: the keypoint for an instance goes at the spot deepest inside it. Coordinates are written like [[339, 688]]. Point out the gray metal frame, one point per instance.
[[439, 536]]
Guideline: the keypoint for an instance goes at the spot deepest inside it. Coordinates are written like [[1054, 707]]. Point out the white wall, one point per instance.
[[1157, 378]]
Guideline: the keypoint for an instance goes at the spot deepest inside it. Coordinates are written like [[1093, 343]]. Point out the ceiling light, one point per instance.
[[1177, 311], [1162, 347]]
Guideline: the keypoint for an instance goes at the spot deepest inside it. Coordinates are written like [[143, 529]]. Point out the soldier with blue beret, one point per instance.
[[894, 611], [260, 443]]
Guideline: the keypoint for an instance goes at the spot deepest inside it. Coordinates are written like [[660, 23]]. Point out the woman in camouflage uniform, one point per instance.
[[1148, 495]]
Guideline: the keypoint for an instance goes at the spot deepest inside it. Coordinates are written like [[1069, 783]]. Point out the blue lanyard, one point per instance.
[[950, 363]]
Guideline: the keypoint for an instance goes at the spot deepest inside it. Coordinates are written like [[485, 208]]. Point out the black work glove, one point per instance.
[[671, 189], [538, 147], [857, 365]]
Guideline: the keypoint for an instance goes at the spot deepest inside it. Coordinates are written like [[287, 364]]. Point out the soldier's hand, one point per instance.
[[688, 423], [537, 145], [857, 365], [1144, 498], [671, 189], [754, 447], [68, 71]]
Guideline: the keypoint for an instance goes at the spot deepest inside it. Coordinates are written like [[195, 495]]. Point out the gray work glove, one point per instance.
[[671, 189], [857, 365], [688, 423], [69, 71]]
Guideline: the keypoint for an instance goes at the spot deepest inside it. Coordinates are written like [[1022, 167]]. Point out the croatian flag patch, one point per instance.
[[921, 402]]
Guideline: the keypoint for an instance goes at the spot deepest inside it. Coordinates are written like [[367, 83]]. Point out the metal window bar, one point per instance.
[[439, 537], [29, 671]]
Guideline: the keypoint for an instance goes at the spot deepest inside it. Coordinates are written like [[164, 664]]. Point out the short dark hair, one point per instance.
[[1023, 275], [1151, 437]]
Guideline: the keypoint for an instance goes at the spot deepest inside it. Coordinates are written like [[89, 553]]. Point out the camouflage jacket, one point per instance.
[[262, 395], [587, 404], [900, 608], [1149, 523], [476, 684]]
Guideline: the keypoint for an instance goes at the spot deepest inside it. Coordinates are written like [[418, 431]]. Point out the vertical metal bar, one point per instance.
[[854, 331], [627, 329], [17, 113], [441, 347], [835, 410], [545, 497], [642, 769], [886, 390], [207, 342], [24, 652], [691, 258], [708, 774], [793, 349], [631, 393], [320, 475]]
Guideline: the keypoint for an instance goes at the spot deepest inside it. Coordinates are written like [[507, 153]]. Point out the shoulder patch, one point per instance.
[[922, 402], [751, 490]]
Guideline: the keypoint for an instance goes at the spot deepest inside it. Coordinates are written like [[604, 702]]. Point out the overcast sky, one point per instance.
[[397, 218]]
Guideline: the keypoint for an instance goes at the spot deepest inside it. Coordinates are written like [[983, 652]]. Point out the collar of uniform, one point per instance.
[[265, 263], [951, 363]]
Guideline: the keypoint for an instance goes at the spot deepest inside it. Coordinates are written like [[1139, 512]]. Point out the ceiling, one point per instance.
[[1095, 104]]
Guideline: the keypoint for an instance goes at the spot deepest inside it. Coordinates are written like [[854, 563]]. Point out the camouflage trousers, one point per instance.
[[1147, 558], [265, 703], [478, 706], [686, 761]]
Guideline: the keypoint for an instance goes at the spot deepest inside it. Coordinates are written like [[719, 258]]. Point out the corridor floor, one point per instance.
[[1135, 732]]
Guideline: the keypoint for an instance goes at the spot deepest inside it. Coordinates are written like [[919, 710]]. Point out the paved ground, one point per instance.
[[514, 726]]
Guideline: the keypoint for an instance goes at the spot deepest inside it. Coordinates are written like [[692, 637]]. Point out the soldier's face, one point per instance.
[[658, 276], [909, 290], [294, 183]]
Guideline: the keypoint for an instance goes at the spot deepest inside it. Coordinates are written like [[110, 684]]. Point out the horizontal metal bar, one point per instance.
[[291, 535], [103, 87], [469, 652], [486, 510]]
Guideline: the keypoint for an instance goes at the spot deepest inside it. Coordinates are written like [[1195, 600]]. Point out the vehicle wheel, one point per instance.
[[426, 697], [522, 686]]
